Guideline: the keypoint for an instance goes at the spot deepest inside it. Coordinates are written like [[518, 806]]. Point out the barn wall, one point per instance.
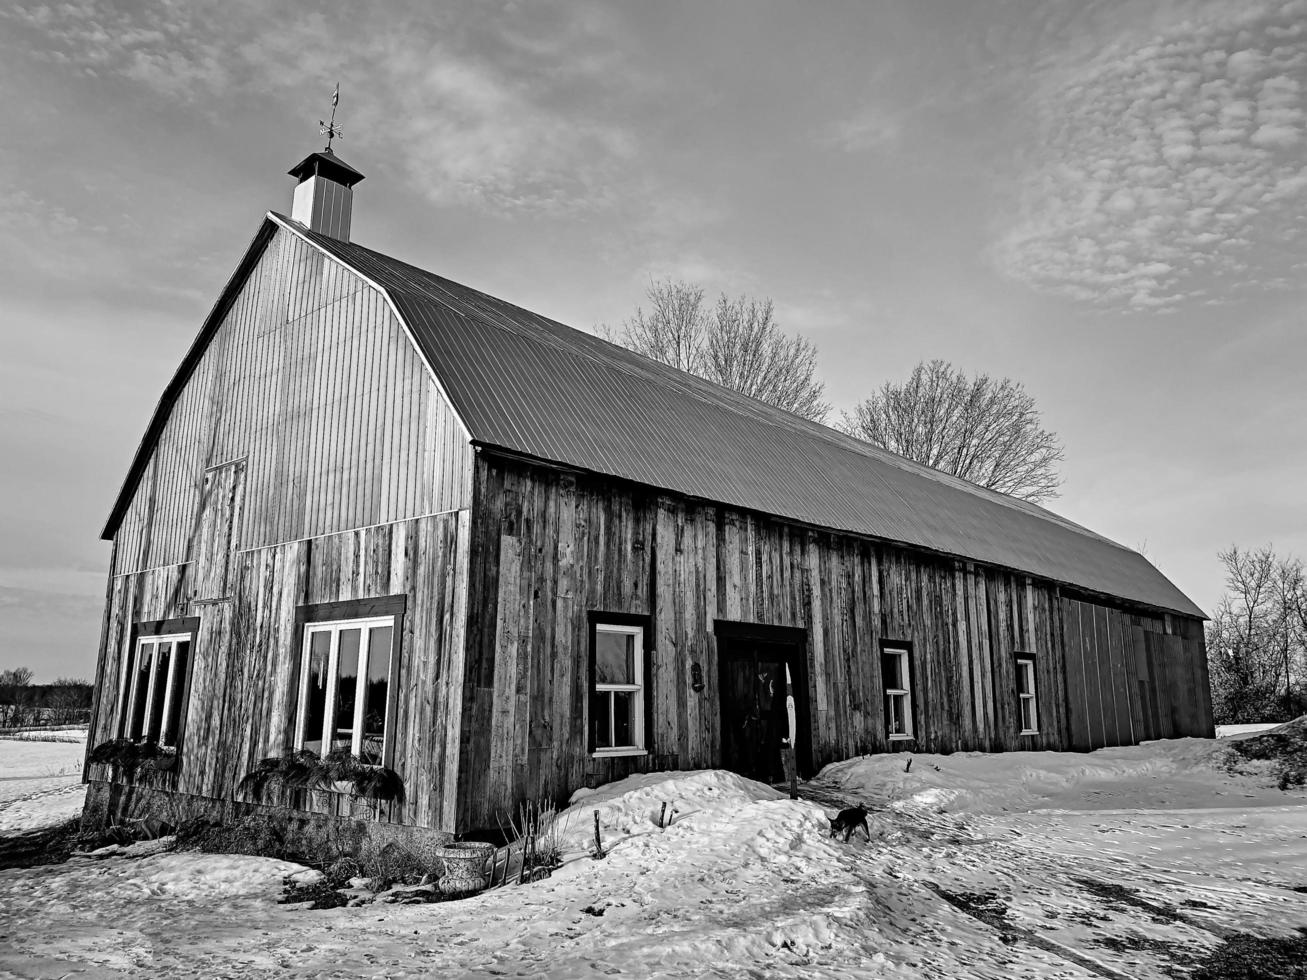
[[1132, 677], [245, 658], [311, 379], [549, 547]]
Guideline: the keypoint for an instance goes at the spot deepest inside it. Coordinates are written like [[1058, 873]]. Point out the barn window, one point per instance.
[[896, 675], [344, 695], [618, 683], [1026, 694], [153, 704]]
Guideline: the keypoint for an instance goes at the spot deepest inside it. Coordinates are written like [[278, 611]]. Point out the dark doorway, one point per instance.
[[761, 668]]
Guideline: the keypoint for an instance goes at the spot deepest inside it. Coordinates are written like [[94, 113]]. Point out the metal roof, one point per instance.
[[531, 385]]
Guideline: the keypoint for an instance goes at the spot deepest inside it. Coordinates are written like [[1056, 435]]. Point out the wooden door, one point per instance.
[[218, 529], [763, 703]]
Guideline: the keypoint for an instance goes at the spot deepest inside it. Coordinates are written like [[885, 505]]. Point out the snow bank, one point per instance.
[[632, 806], [1171, 774], [1233, 731]]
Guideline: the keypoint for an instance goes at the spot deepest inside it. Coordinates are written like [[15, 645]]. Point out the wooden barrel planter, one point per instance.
[[465, 867]]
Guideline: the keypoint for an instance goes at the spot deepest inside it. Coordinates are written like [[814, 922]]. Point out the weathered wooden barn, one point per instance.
[[379, 510]]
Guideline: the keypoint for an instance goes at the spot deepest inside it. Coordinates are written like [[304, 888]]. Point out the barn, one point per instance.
[[379, 511]]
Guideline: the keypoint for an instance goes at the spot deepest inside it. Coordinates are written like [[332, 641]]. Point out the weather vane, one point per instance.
[[330, 129]]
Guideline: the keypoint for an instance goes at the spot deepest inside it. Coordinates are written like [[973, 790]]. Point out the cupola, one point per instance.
[[324, 196]]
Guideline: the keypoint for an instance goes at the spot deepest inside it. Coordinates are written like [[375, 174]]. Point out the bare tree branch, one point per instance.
[[736, 344], [977, 428]]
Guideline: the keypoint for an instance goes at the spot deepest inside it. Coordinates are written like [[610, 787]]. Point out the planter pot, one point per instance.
[[465, 867]]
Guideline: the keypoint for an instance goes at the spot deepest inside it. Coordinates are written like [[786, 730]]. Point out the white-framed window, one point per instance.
[[617, 689], [344, 694], [153, 698], [896, 675], [1026, 707]]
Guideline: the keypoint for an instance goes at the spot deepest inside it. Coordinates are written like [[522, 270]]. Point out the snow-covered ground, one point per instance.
[[1080, 865], [41, 779]]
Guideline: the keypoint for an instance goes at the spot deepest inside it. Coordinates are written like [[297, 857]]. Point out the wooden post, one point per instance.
[[599, 845], [791, 770], [662, 815]]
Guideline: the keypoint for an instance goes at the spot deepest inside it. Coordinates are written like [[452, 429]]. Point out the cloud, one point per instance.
[[872, 128], [506, 120], [1166, 164]]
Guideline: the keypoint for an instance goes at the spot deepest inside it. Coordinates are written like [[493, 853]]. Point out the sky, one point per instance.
[[1105, 201]]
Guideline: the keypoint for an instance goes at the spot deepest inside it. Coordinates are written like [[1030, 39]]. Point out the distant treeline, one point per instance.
[[65, 702]]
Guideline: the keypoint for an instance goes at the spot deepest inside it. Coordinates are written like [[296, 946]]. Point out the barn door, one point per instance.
[[763, 704], [219, 529]]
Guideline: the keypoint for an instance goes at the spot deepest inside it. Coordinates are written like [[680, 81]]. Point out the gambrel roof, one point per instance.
[[525, 384]]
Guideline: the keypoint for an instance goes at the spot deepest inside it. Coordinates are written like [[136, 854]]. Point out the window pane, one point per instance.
[[891, 665], [623, 715], [316, 705], [347, 680], [374, 707], [599, 721], [894, 714], [1028, 714], [1023, 677], [615, 658], [162, 660], [140, 687], [173, 723]]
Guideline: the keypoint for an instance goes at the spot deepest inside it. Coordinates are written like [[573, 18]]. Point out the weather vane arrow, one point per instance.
[[330, 129]]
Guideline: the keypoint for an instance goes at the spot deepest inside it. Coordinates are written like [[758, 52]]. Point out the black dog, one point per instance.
[[850, 820]]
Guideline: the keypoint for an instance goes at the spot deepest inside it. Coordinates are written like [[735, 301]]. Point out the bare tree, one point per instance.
[[737, 344], [673, 330], [16, 677], [984, 430], [1257, 638], [15, 689]]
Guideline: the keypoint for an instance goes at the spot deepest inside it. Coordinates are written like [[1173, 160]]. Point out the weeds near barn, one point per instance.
[[538, 834]]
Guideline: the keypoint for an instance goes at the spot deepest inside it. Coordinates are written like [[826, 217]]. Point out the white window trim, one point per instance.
[[335, 627], [163, 737], [1027, 663], [906, 691], [637, 714]]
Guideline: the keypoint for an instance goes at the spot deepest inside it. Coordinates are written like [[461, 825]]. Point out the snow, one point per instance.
[[1229, 731], [1177, 773], [745, 881], [41, 779]]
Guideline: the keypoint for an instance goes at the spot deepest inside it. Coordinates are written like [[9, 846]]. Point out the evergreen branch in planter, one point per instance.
[[129, 757], [307, 770]]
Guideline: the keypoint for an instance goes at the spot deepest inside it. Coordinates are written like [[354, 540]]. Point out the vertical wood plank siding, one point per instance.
[[246, 654], [549, 547], [312, 380], [1133, 677]]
